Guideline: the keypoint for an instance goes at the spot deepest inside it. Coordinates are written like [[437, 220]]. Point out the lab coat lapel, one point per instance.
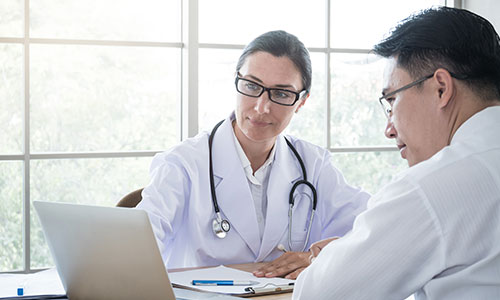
[[233, 193], [285, 171]]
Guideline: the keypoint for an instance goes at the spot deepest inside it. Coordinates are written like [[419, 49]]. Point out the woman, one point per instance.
[[253, 172]]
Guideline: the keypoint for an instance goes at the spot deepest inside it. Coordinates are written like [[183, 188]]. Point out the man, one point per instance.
[[435, 230]]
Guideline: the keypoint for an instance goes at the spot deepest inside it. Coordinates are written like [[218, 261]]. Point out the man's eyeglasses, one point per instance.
[[278, 96], [387, 100]]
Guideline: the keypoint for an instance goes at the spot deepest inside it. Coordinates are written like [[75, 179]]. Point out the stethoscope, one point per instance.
[[221, 226]]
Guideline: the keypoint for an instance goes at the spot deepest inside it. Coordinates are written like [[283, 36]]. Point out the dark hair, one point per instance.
[[455, 39], [280, 43]]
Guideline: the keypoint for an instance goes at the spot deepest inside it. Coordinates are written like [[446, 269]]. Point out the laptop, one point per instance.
[[108, 253]]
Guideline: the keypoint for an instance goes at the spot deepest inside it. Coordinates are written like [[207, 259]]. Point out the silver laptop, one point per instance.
[[108, 253]]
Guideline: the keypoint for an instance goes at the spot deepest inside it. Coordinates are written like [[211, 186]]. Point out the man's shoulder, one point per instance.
[[453, 171]]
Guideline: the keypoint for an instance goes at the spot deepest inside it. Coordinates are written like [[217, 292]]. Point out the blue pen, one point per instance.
[[224, 282]]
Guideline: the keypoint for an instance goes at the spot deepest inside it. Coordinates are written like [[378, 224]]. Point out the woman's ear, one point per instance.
[[302, 102]]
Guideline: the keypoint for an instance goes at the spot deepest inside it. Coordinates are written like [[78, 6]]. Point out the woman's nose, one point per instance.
[[263, 103]]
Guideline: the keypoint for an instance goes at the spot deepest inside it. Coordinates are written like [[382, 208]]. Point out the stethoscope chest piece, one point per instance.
[[220, 227]]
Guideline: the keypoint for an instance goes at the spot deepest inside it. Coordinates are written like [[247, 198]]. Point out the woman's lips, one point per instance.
[[258, 123]]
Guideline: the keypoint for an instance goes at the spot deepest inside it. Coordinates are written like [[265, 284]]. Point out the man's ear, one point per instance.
[[445, 86], [303, 101]]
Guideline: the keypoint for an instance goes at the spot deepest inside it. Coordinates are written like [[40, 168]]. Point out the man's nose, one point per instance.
[[390, 130]]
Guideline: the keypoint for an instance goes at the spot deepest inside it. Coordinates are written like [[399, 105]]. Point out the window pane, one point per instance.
[[368, 21], [86, 181], [11, 216], [11, 23], [369, 170], [310, 122], [356, 116], [98, 98], [11, 95], [238, 22], [218, 94], [136, 20]]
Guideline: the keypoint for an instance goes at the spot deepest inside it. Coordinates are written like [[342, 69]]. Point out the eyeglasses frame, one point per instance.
[[298, 95], [410, 85]]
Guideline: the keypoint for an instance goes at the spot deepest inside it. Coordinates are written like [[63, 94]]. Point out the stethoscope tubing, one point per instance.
[[290, 220], [221, 230], [211, 169], [291, 201]]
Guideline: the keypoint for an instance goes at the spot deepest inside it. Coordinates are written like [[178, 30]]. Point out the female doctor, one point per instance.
[[225, 196]]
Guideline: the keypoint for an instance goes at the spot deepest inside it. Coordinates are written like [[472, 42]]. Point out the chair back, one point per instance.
[[131, 199]]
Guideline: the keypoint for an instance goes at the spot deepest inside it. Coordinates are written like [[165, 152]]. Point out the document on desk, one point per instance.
[[41, 283], [262, 285]]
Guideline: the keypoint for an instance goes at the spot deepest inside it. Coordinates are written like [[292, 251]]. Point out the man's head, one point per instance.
[[453, 55]]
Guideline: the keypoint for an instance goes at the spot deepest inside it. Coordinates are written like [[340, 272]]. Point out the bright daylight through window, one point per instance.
[[91, 90]]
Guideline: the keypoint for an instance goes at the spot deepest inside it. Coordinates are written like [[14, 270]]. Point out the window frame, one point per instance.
[[190, 47]]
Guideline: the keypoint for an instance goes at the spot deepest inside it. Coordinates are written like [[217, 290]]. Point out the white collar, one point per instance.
[[484, 119]]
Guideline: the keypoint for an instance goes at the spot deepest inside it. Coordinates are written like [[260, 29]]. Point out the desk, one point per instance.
[[285, 296], [250, 267], [51, 279]]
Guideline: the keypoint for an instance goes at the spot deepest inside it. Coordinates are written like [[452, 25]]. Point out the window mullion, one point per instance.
[[328, 77], [26, 141], [189, 95]]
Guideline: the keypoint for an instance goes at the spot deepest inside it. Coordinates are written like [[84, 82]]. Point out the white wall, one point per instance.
[[489, 9]]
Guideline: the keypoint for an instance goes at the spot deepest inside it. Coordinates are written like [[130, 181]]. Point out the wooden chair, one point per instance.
[[131, 199]]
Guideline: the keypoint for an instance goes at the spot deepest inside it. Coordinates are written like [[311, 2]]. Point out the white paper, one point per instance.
[[41, 283], [184, 278]]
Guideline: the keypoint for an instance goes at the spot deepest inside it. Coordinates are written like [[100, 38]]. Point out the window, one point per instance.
[[91, 90], [341, 113]]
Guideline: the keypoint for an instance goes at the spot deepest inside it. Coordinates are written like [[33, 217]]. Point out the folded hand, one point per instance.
[[288, 265]]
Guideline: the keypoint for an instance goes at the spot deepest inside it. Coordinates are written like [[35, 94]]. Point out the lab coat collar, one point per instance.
[[235, 198], [233, 193], [284, 173]]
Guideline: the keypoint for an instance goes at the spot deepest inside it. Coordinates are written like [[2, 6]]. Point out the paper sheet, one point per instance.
[[41, 283], [184, 278]]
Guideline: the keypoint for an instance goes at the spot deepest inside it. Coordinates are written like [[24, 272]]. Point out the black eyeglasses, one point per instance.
[[387, 100], [278, 96]]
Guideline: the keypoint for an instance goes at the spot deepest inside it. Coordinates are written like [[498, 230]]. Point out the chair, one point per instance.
[[131, 199]]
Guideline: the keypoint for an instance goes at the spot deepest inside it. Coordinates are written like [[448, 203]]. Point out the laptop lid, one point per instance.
[[104, 252]]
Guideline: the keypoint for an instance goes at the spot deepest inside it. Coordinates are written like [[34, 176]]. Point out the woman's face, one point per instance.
[[260, 120]]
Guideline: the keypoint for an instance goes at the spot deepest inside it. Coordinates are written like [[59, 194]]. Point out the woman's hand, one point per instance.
[[316, 248], [288, 265]]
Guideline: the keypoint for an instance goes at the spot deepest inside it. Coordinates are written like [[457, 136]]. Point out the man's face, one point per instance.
[[416, 121]]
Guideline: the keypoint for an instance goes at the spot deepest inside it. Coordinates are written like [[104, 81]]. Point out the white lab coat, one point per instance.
[[178, 201]]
